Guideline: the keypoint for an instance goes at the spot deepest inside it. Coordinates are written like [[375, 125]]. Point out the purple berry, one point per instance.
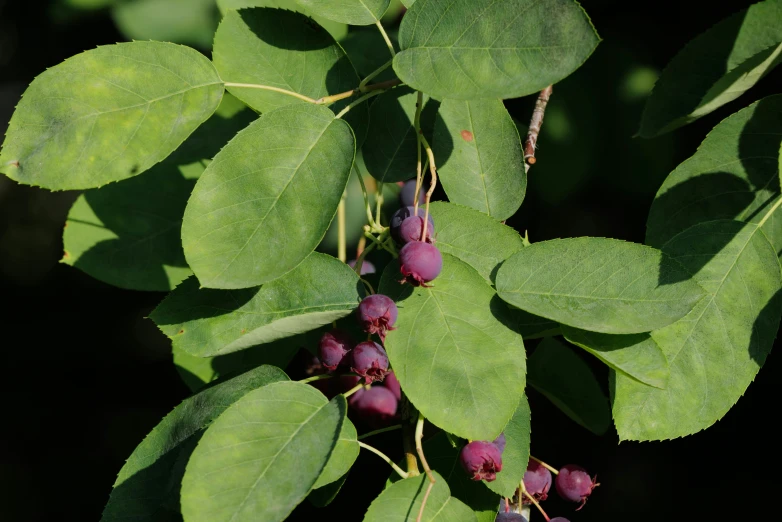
[[559, 519], [375, 405], [401, 215], [500, 442], [392, 384], [412, 228], [482, 460], [509, 517], [574, 484], [377, 314], [537, 480], [407, 194], [333, 349], [370, 361], [366, 266], [420, 262]]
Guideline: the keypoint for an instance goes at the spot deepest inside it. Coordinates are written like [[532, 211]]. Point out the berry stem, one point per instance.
[[386, 38], [270, 88], [353, 390], [534, 502], [418, 170], [381, 430], [550, 468], [419, 435], [432, 185], [370, 219], [384, 457], [316, 378], [342, 254], [360, 258], [378, 201]]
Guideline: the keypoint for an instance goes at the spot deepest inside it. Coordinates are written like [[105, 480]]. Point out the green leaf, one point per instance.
[[715, 68], [342, 458], [402, 501], [714, 352], [128, 234], [454, 351], [733, 175], [516, 455], [484, 168], [534, 327], [475, 238], [182, 21], [443, 458], [390, 148], [324, 496], [468, 49], [636, 355], [196, 371], [147, 487], [564, 379], [243, 224], [292, 53], [598, 284], [408, 3], [205, 322], [108, 114], [353, 12], [261, 457], [337, 30]]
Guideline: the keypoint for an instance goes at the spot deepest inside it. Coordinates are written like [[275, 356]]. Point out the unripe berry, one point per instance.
[[412, 228], [420, 263], [366, 266], [537, 480], [401, 215], [509, 517], [370, 361], [375, 405], [392, 384], [333, 349], [377, 314], [481, 460], [574, 484], [407, 194]]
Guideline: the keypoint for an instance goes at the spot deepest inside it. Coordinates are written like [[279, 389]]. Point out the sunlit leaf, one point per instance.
[[516, 455], [353, 12], [108, 114], [337, 30]]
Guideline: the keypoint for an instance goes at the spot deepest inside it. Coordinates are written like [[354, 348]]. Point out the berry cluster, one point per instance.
[[419, 260], [572, 483]]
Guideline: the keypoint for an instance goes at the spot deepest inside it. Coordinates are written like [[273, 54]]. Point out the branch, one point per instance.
[[535, 123]]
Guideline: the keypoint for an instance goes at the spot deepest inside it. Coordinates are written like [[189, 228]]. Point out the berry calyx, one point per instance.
[[392, 384], [420, 263], [481, 459], [366, 267], [333, 349], [537, 481], [370, 362], [401, 215], [412, 228], [376, 405], [407, 194], [500, 442], [377, 314], [509, 517], [574, 484]]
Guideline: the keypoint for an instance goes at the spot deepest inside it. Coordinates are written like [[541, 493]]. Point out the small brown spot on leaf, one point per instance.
[[467, 135], [181, 331], [244, 331], [66, 255]]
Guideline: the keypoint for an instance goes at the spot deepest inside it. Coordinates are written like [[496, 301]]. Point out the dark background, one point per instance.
[[85, 376]]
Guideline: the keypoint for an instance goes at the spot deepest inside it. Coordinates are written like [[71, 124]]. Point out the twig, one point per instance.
[[326, 100], [386, 38], [418, 171], [357, 102], [535, 123], [381, 430], [432, 184], [341, 233], [371, 76]]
